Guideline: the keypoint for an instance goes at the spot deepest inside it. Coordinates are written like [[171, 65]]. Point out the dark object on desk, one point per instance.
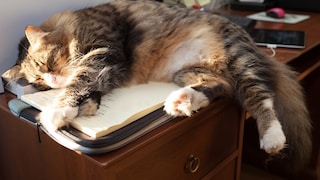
[[301, 5], [76, 140], [278, 38], [246, 23], [276, 13], [251, 6]]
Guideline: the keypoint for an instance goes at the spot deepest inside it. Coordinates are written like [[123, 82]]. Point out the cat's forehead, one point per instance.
[[47, 49], [40, 58]]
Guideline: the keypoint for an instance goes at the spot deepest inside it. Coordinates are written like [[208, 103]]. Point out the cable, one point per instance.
[[272, 47]]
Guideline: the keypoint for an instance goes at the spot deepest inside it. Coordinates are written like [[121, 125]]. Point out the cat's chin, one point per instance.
[[55, 81], [55, 85], [54, 118]]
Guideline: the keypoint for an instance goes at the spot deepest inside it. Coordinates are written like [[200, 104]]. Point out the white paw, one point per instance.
[[184, 101], [55, 118], [274, 139]]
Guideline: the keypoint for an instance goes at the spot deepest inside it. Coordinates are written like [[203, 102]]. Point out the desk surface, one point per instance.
[[310, 27]]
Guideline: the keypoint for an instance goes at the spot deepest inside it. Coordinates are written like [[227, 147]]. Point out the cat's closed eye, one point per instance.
[[44, 68]]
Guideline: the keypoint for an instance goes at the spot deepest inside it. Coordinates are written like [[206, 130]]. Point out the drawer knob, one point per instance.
[[192, 164]]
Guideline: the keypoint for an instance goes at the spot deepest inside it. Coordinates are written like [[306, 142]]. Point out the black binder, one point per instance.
[[73, 139]]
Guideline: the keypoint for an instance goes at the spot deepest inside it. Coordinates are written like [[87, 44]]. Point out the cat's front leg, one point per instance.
[[53, 118], [63, 110], [67, 106]]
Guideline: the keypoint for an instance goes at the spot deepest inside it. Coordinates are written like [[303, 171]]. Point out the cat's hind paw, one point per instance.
[[185, 101], [55, 118], [273, 141]]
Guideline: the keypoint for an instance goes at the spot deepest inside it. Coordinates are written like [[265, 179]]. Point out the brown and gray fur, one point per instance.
[[131, 42]]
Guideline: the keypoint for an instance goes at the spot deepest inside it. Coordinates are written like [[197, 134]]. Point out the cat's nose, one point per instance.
[[54, 79]]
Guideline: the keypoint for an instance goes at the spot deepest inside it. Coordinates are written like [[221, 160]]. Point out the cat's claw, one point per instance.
[[273, 141], [185, 101], [55, 118]]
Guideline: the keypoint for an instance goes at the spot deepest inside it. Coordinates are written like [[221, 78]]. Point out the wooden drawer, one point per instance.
[[227, 172], [209, 137]]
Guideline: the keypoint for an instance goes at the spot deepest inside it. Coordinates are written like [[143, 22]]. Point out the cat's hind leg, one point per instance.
[[185, 101], [200, 86], [255, 91], [272, 138]]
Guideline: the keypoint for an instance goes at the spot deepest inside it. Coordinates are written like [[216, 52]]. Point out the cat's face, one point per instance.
[[46, 62]]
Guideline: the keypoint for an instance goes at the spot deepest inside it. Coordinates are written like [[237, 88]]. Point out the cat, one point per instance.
[[91, 51]]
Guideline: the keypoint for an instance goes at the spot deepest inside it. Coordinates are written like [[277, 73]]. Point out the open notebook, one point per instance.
[[117, 109]]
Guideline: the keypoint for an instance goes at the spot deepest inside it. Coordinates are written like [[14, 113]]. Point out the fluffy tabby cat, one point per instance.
[[91, 51]]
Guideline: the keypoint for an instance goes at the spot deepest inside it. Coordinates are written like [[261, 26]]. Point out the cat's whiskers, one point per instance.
[[94, 53], [76, 62]]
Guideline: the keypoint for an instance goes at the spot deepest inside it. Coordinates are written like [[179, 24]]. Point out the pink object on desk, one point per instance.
[[275, 13]]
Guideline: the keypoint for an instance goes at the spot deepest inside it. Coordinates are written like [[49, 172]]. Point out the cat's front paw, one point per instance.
[[184, 102], [88, 108], [273, 141], [55, 118]]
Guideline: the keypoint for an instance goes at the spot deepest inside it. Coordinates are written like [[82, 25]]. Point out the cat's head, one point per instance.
[[43, 57]]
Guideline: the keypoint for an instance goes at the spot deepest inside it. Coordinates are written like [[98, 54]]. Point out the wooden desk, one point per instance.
[[214, 135], [307, 62]]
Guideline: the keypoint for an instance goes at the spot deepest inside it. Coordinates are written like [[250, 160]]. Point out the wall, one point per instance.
[[208, 4], [15, 15]]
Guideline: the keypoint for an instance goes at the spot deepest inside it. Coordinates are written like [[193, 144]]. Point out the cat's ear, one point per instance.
[[35, 36]]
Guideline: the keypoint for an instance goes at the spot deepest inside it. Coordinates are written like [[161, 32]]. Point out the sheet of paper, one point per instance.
[[289, 18]]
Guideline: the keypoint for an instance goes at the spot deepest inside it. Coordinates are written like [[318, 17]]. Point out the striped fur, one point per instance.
[[123, 43]]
